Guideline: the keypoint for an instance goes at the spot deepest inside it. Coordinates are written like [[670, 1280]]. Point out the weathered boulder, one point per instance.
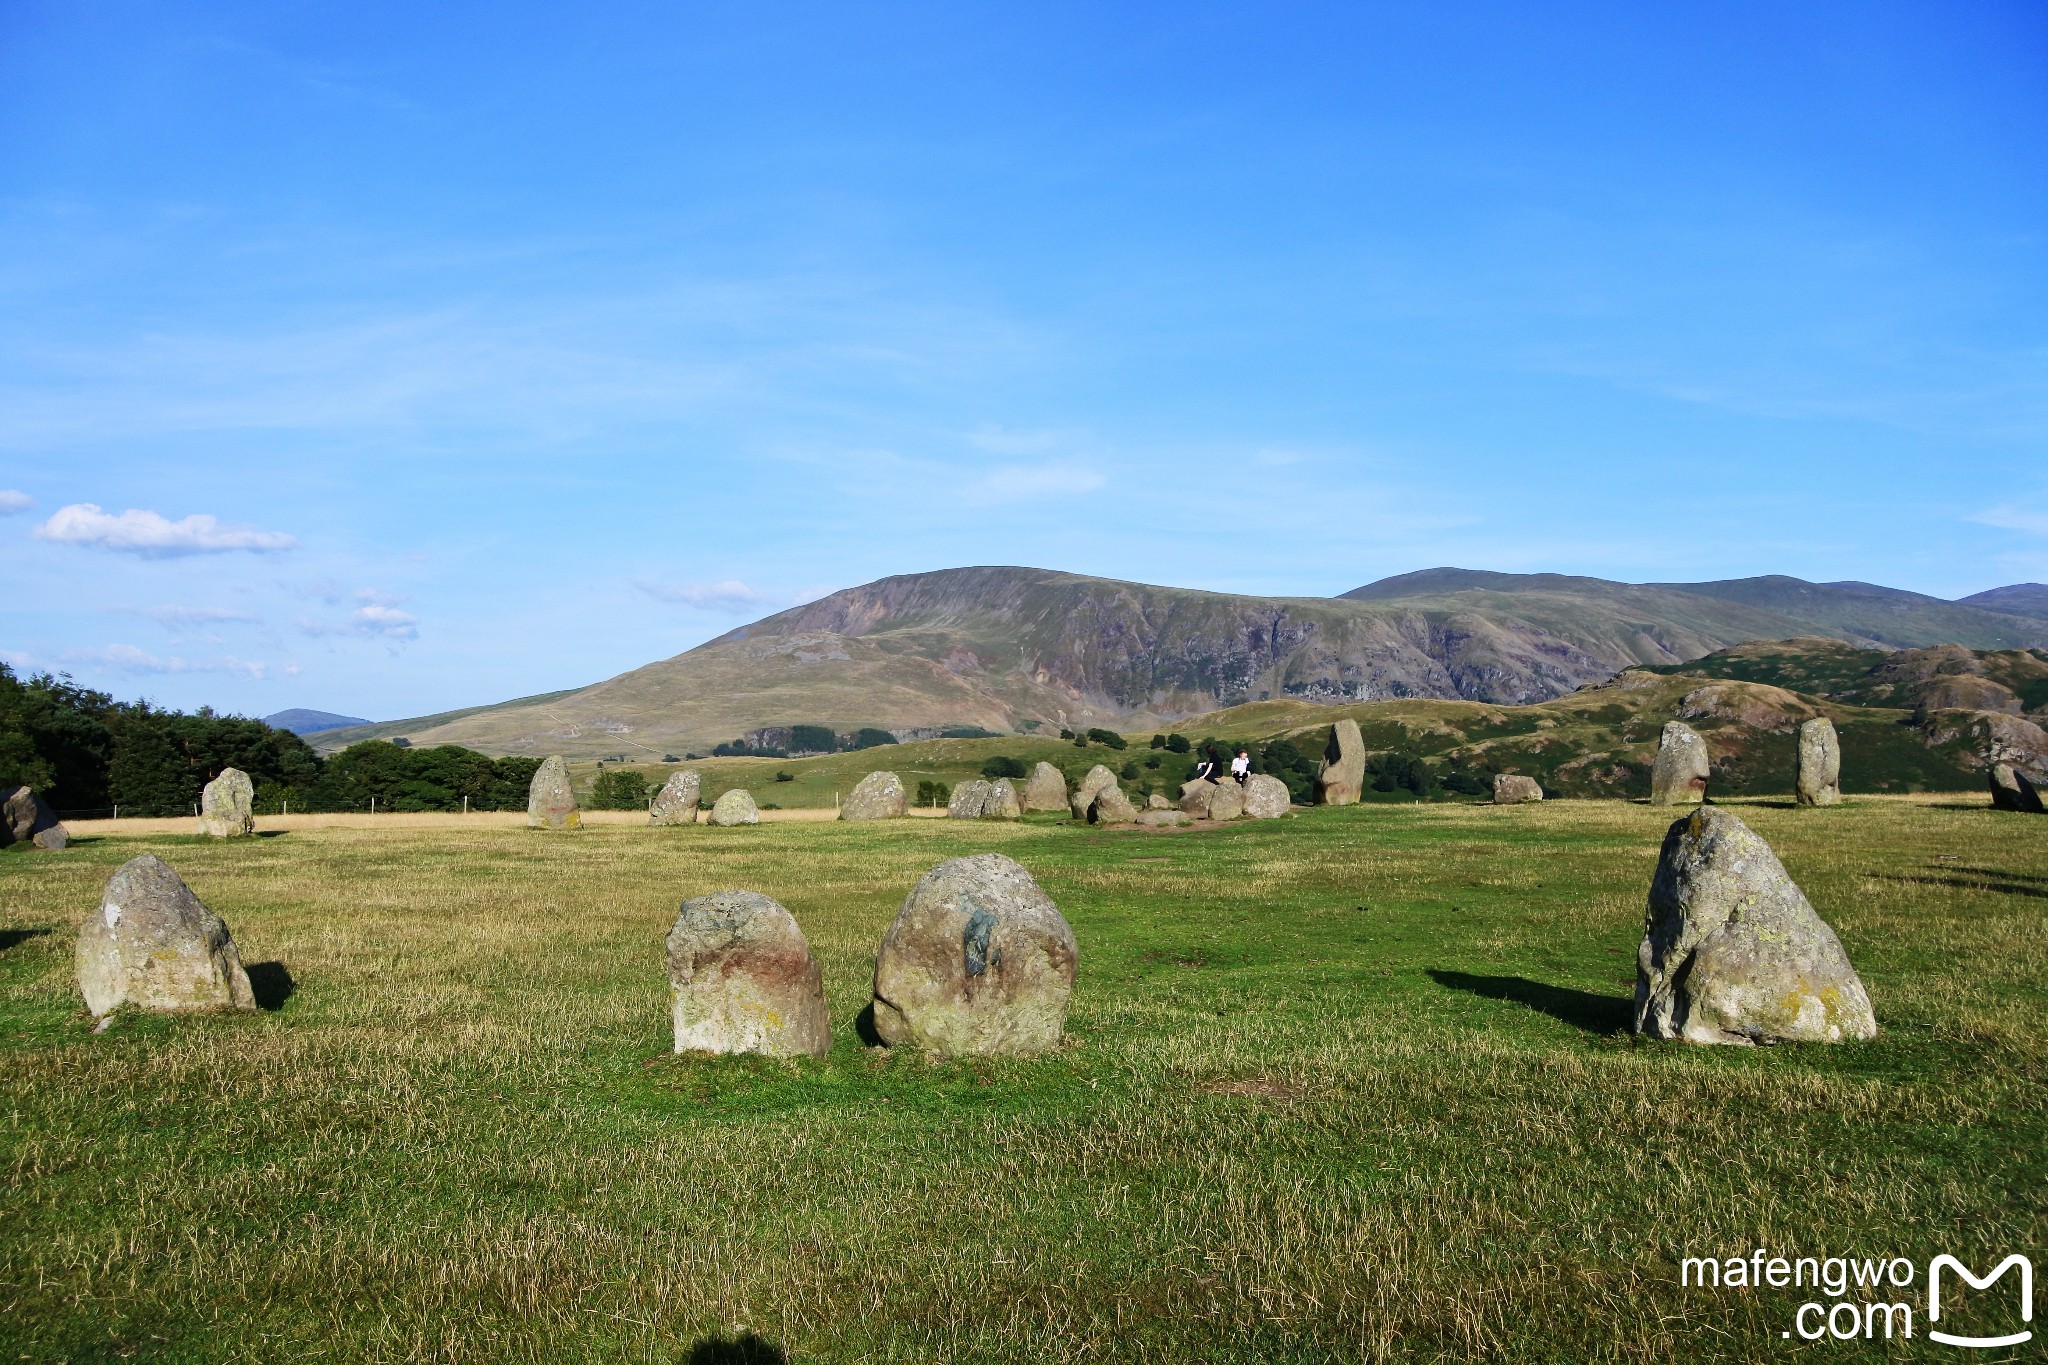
[[735, 807], [227, 805], [878, 796], [1212, 800], [1047, 789], [152, 945], [1167, 818], [1157, 802], [1343, 775], [26, 819], [1679, 777], [1266, 797], [742, 979], [976, 799], [1820, 763], [1112, 807], [1512, 789], [979, 959], [1084, 795], [549, 802], [1733, 953], [2010, 790], [676, 803]]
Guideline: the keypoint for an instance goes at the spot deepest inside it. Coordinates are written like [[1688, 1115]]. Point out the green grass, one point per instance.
[[1347, 1086]]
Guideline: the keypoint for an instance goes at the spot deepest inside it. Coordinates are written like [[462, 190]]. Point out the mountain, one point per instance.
[[2020, 599], [300, 721]]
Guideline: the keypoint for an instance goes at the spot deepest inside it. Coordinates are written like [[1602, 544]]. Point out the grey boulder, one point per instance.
[[1513, 789], [549, 802], [152, 945], [1047, 788], [676, 803], [1266, 797], [1679, 777], [1157, 802], [1166, 818], [978, 960], [878, 796], [1212, 800], [977, 799], [26, 819], [1343, 775], [1112, 807], [1733, 953], [1091, 786], [742, 979], [735, 807], [2010, 790], [227, 806], [1820, 763]]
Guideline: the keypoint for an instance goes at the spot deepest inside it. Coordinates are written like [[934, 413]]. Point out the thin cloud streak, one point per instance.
[[152, 535]]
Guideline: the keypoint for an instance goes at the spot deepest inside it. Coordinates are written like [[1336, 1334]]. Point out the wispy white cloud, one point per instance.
[[154, 536], [13, 500], [378, 618], [172, 617], [2015, 517], [122, 658], [729, 595], [1029, 483]]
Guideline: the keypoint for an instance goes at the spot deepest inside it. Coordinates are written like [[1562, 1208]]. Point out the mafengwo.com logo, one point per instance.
[[1867, 1299]]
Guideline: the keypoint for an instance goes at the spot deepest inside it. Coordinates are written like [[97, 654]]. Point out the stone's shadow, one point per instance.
[[272, 833], [1998, 874], [748, 1348], [1602, 1014], [272, 984], [10, 937], [864, 1026], [2003, 882]]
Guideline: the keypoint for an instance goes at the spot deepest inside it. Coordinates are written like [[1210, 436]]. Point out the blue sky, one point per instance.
[[387, 358]]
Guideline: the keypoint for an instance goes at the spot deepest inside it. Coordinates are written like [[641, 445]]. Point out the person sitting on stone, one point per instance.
[[1241, 766], [1205, 771]]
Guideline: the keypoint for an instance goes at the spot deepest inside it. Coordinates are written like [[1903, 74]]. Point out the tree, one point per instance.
[[1178, 744], [869, 737], [812, 739], [1002, 765], [619, 789], [1108, 739], [1159, 741], [933, 793]]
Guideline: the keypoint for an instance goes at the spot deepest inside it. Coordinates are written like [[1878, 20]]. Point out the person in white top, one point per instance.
[[1241, 767]]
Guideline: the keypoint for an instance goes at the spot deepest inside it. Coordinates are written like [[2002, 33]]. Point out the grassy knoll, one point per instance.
[[1349, 1085]]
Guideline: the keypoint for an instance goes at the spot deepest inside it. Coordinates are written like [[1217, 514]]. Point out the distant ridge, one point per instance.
[[2021, 599], [300, 721]]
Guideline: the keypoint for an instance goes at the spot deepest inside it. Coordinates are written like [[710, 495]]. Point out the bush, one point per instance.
[[1129, 772], [785, 777], [1108, 739], [868, 737], [618, 789], [1159, 741], [967, 732], [1178, 744], [1066, 734], [1002, 765], [1080, 741]]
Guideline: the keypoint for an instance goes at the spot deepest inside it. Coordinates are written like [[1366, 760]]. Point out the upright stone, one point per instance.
[[676, 802], [2010, 790], [1091, 786], [153, 945], [1820, 763], [549, 802], [227, 805], [978, 960], [976, 799], [26, 819], [735, 807], [1266, 797], [1047, 789], [1112, 807], [1733, 953], [1512, 789], [1343, 775], [878, 796], [742, 979], [1212, 800], [1680, 775]]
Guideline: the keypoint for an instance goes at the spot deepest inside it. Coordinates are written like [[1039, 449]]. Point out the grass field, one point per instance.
[[1353, 1085]]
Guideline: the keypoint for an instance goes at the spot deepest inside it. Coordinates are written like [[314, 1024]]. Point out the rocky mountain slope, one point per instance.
[[1022, 649]]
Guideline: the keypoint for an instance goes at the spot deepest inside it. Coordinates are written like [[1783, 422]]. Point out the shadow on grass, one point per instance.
[[2001, 882], [271, 983], [10, 937], [744, 1349], [864, 1026], [1602, 1014]]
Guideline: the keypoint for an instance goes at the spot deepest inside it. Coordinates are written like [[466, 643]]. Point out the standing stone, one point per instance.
[[1157, 802], [1212, 800], [1343, 775], [1733, 953], [2010, 790], [227, 805], [154, 946], [976, 799], [1820, 763], [1680, 775], [549, 802], [1047, 789], [1266, 797], [1512, 789], [1112, 807], [878, 796], [1091, 786], [735, 807], [676, 802], [742, 979], [25, 818], [978, 960]]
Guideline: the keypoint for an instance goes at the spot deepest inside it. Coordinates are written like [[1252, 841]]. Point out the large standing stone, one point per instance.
[[1266, 797], [2010, 790], [676, 803], [1733, 953], [1680, 775], [227, 805], [1091, 786], [1112, 807], [976, 799], [1820, 763], [1512, 789], [878, 796], [1343, 775], [153, 945], [742, 979], [549, 802], [1212, 800], [979, 959], [1047, 789], [735, 807], [25, 818]]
